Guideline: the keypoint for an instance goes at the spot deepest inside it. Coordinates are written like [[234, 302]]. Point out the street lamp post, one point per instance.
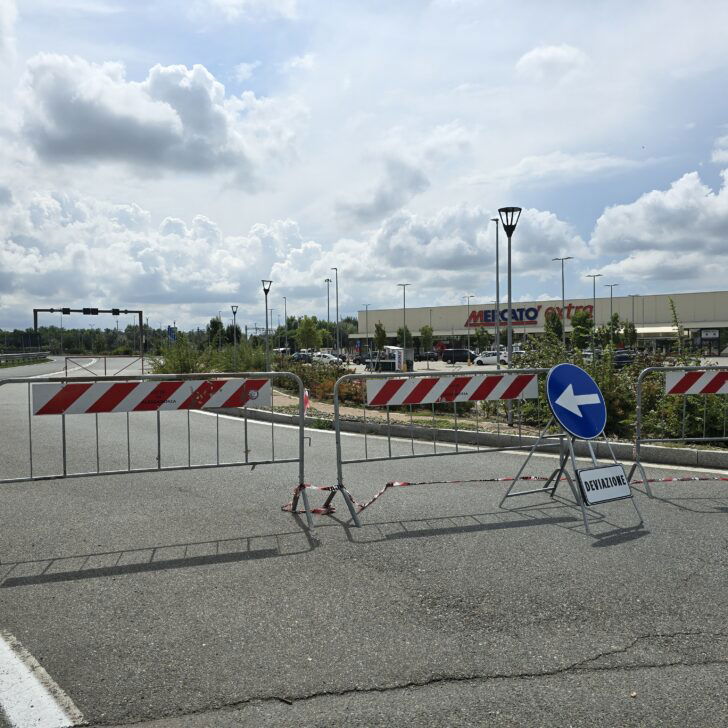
[[285, 319], [266, 289], [634, 323], [366, 315], [563, 300], [497, 291], [610, 286], [594, 277], [509, 218], [468, 297], [235, 339], [404, 321], [338, 344]]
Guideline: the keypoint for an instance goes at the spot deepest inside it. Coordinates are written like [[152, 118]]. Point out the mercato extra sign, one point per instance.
[[530, 316]]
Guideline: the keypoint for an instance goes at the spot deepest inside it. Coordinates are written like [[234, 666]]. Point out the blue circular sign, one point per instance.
[[576, 401]]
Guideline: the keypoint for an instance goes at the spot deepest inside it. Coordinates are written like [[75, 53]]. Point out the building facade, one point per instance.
[[704, 317]]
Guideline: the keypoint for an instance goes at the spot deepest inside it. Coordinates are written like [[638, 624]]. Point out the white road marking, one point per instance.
[[29, 698], [656, 466], [60, 371]]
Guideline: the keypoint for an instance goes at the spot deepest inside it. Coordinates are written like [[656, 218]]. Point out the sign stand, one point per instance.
[[596, 485]]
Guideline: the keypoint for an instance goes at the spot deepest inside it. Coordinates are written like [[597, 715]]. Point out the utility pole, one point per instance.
[[594, 277], [611, 286], [563, 300], [338, 344], [497, 292], [285, 318]]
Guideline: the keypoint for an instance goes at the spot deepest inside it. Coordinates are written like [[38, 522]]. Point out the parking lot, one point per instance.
[[189, 598]]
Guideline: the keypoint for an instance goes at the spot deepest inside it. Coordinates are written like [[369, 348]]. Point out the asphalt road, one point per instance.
[[188, 598]]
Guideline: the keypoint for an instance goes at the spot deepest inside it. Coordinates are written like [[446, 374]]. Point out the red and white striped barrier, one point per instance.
[[148, 396], [684, 382], [470, 388]]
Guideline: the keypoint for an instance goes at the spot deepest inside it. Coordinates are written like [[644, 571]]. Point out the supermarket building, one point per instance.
[[704, 317]]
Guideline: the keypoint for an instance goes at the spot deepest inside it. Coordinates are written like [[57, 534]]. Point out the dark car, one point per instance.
[[426, 356], [624, 357], [451, 356], [302, 356]]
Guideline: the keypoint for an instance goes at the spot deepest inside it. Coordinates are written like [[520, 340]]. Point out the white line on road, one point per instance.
[[470, 448], [29, 698], [60, 371]]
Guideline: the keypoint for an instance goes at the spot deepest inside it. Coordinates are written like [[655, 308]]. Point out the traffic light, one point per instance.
[[66, 311], [86, 311], [114, 311]]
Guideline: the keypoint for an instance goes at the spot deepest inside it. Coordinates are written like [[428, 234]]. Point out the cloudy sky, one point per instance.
[[167, 156]]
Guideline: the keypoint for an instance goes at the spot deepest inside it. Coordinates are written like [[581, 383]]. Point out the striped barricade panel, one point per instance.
[[696, 382], [433, 390], [148, 396]]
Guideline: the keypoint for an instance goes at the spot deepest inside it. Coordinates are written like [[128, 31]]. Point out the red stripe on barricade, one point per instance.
[[199, 398], [715, 383], [157, 397], [66, 396], [241, 396], [486, 387], [517, 386], [111, 398], [453, 389], [685, 382], [420, 391], [390, 388]]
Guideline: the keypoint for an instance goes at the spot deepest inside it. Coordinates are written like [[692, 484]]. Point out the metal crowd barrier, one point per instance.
[[517, 392], [26, 356], [34, 409], [75, 361], [704, 408]]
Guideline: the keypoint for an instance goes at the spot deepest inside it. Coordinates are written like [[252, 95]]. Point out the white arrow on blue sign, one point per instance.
[[576, 401]]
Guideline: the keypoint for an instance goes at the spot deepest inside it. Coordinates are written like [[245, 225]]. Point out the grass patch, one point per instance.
[[23, 363]]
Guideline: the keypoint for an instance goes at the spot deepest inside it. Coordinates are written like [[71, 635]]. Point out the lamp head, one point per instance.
[[509, 218], [266, 286], [235, 309]]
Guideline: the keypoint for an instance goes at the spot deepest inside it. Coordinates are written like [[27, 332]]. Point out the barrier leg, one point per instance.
[[579, 498]]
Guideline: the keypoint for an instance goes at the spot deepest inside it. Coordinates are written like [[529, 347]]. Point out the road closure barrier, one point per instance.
[[433, 414], [699, 415], [75, 427]]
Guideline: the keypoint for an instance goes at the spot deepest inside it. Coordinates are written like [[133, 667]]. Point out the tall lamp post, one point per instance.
[[266, 289], [610, 286], [467, 298], [497, 291], [366, 315], [338, 344], [404, 321], [594, 277], [509, 219], [563, 300], [235, 339], [285, 319], [634, 323]]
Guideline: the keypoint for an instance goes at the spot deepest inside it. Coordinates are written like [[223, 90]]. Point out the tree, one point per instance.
[[403, 332], [482, 339], [630, 334], [614, 328], [426, 340], [582, 323], [553, 326], [230, 334], [215, 331], [380, 336], [308, 334]]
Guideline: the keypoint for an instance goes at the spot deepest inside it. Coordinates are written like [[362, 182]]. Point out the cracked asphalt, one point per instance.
[[190, 599]]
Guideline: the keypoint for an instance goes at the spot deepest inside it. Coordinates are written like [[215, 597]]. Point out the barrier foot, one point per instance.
[[638, 465]]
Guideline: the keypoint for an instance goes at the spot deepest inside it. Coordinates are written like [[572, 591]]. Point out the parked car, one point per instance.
[[426, 356], [491, 357], [624, 357], [322, 357], [451, 356], [302, 356]]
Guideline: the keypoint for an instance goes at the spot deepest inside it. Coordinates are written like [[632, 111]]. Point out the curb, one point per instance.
[[691, 457]]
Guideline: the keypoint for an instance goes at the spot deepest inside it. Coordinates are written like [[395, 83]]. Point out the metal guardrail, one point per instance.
[[24, 356], [685, 382], [66, 472], [502, 379]]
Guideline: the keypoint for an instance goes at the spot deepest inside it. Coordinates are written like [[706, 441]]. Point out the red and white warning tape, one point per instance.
[[403, 484]]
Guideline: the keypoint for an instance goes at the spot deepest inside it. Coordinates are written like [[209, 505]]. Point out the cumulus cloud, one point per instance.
[[401, 182], [249, 9], [8, 16], [720, 150], [558, 166], [678, 233], [551, 63], [244, 71], [177, 119]]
